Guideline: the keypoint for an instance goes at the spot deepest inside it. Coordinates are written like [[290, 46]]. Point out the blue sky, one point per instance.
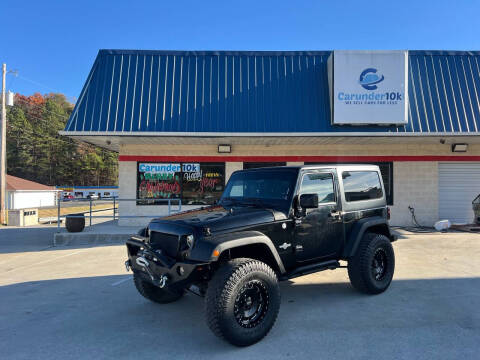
[[53, 43]]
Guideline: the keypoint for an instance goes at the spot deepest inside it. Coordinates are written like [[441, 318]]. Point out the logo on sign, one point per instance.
[[369, 79], [191, 168], [154, 168]]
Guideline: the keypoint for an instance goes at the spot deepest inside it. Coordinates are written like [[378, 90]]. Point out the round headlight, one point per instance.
[[190, 239]]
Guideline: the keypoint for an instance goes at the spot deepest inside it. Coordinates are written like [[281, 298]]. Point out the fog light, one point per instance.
[[180, 270]]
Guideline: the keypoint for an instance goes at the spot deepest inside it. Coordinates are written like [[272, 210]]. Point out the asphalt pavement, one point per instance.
[[79, 303]]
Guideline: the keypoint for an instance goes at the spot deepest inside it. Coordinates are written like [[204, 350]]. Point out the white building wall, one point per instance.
[[415, 184], [31, 199]]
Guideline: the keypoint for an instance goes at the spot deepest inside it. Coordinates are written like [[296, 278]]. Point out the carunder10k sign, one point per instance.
[[370, 87]]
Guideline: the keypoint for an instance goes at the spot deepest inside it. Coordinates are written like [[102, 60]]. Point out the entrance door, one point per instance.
[[320, 233], [458, 185]]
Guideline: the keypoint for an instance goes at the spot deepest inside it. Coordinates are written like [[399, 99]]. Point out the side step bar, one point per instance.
[[311, 268]]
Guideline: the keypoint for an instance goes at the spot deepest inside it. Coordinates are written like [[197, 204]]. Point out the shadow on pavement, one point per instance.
[[104, 317]]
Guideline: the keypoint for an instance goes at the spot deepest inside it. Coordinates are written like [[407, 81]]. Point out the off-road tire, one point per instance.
[[222, 295], [154, 293], [360, 265]]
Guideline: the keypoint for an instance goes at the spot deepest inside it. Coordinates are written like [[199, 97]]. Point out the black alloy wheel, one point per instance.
[[251, 304], [242, 301], [379, 264]]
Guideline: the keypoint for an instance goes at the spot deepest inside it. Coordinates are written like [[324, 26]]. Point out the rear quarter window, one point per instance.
[[361, 185]]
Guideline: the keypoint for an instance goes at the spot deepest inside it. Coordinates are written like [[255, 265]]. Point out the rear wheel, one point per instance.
[[154, 293], [242, 301], [371, 268]]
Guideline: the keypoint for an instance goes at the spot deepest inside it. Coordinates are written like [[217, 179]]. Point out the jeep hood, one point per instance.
[[219, 218]]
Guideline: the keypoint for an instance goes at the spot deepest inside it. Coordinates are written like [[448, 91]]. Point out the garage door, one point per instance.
[[458, 185]]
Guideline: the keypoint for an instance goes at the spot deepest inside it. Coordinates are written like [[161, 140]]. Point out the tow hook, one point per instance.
[[127, 265], [163, 281], [145, 264]]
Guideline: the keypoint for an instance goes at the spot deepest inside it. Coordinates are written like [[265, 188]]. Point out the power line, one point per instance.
[[43, 85]]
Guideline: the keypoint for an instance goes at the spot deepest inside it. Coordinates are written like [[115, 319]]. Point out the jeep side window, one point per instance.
[[237, 189], [320, 184], [361, 185]]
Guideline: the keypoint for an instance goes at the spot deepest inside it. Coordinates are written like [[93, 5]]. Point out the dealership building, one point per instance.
[[183, 121]]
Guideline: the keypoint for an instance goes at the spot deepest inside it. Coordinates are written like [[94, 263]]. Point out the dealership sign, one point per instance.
[[369, 87], [169, 168]]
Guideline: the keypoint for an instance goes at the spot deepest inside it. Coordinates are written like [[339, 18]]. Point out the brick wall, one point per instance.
[[415, 184], [374, 147], [230, 167]]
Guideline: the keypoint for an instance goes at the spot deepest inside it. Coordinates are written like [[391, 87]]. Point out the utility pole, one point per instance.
[[3, 147]]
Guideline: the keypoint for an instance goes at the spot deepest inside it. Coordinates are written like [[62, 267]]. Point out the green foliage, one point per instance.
[[36, 152]]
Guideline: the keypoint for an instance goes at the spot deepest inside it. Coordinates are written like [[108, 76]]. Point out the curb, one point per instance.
[[68, 239]]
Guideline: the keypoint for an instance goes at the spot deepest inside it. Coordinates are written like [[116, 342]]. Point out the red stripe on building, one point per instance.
[[339, 159]]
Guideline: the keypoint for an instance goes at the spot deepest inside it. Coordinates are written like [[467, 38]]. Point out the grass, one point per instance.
[[52, 212]]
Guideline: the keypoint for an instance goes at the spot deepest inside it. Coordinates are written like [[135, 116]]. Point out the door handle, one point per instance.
[[335, 215]]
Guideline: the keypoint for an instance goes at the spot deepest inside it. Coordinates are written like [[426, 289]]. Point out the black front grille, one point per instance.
[[168, 243]]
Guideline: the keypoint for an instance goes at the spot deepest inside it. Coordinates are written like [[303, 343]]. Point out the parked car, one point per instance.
[[68, 197], [92, 196], [271, 224]]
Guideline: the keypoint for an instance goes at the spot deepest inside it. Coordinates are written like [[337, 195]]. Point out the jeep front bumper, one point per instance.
[[159, 269]]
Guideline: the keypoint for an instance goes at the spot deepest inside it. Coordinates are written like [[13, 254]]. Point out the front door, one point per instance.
[[319, 233]]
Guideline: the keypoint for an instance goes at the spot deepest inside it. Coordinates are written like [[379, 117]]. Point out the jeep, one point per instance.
[[270, 224]]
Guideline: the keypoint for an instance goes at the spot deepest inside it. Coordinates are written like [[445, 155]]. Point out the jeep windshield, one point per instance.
[[271, 188]]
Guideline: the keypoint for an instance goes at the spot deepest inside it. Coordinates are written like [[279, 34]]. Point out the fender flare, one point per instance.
[[245, 238], [359, 230]]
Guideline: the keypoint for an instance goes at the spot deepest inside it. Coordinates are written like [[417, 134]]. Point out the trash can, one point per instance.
[[476, 209], [75, 222]]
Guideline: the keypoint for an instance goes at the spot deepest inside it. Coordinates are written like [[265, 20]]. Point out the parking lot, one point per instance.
[[78, 302]]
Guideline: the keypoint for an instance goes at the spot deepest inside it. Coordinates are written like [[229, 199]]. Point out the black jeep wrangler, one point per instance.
[[270, 224]]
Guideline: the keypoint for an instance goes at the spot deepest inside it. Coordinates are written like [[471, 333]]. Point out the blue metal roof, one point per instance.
[[130, 92]]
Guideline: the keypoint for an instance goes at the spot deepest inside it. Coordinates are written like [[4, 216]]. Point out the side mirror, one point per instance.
[[308, 201]]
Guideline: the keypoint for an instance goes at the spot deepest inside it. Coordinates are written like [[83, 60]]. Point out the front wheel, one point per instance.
[[242, 301], [154, 293], [371, 268]]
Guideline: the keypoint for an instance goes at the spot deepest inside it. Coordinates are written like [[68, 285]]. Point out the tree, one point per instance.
[[35, 150]]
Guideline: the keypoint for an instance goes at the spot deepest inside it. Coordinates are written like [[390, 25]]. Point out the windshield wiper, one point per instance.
[[230, 200], [253, 202]]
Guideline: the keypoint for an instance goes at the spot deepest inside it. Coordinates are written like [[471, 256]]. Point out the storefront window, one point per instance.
[[193, 183], [203, 187]]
